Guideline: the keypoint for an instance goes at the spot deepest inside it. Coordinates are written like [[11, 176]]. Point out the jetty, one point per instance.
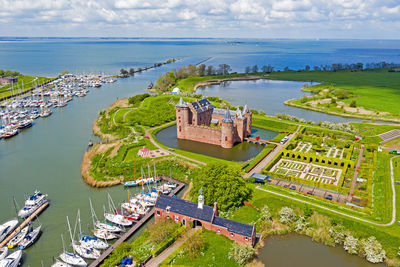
[[24, 223], [137, 226]]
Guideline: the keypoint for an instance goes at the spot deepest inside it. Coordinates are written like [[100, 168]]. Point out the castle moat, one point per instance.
[[239, 153]]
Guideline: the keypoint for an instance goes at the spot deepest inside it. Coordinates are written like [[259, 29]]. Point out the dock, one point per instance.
[[137, 226], [24, 223]]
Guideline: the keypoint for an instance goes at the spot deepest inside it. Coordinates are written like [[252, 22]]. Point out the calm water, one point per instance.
[[240, 152], [300, 251], [269, 96], [48, 156]]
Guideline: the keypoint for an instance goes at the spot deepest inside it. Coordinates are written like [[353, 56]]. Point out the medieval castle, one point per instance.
[[200, 121]]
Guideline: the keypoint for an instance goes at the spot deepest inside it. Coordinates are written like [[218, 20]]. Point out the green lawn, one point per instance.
[[215, 252], [377, 90], [274, 124], [267, 149], [27, 81]]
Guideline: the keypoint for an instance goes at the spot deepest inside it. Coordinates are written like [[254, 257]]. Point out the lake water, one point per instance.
[[47, 156], [300, 251], [239, 153]]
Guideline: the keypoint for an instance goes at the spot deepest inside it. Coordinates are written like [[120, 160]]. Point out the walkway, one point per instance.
[[154, 262], [258, 168], [354, 182], [147, 134], [345, 214]]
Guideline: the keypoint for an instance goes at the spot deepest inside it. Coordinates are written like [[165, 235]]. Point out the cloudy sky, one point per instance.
[[202, 18]]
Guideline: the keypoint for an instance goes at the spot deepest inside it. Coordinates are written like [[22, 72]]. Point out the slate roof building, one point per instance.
[[182, 211], [8, 80], [201, 121]]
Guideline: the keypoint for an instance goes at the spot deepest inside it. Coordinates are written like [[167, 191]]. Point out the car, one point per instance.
[[293, 187], [329, 197], [286, 186], [309, 192]]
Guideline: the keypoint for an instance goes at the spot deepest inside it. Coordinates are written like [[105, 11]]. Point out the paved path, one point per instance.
[[347, 215], [258, 168], [154, 262], [147, 133]]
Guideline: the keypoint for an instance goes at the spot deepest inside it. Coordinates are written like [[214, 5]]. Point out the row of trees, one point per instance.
[[254, 69], [5, 73], [131, 72]]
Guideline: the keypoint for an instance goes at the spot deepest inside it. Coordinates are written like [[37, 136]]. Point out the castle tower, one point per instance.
[[200, 199], [248, 115], [182, 118], [240, 125], [227, 140]]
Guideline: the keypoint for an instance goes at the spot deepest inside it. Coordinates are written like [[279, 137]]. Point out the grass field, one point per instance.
[[377, 90], [215, 253], [26, 81]]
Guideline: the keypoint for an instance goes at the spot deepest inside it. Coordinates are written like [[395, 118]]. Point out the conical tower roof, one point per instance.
[[245, 110], [227, 117], [182, 104], [239, 113]]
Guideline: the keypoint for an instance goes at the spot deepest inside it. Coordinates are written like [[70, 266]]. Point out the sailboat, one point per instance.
[[7, 228], [30, 238], [90, 241], [87, 253], [12, 260], [114, 217], [59, 263], [102, 225], [3, 252], [18, 237], [71, 258]]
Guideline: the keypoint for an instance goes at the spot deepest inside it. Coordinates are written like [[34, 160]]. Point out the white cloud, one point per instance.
[[235, 18]]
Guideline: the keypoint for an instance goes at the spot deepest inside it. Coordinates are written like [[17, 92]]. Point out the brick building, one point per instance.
[[183, 211], [200, 121], [8, 80]]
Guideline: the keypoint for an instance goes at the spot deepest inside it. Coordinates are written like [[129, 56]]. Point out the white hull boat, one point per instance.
[[103, 234], [32, 203], [7, 228], [73, 259], [61, 264], [117, 219], [87, 253], [12, 260], [18, 237], [30, 238], [108, 227], [3, 252], [92, 242]]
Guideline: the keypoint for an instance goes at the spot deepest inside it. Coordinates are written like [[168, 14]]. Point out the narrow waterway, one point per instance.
[[301, 251]]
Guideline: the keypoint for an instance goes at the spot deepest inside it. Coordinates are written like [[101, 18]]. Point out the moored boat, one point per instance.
[[12, 260], [108, 227], [92, 242], [117, 219], [3, 252], [59, 263], [72, 259], [7, 227], [18, 237], [34, 202], [103, 234], [87, 253], [30, 238]]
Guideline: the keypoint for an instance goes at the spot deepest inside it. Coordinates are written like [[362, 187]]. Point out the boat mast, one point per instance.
[[62, 240]]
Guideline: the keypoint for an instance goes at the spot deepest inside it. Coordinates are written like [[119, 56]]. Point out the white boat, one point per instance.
[[18, 237], [117, 219], [30, 238], [108, 227], [12, 260], [3, 252], [7, 228], [103, 234], [32, 203], [46, 113], [70, 258], [92, 242], [73, 259], [59, 263], [87, 253]]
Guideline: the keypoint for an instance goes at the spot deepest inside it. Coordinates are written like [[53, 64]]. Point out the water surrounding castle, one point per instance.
[[202, 122]]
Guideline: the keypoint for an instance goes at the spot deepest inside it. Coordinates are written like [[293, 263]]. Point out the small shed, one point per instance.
[[144, 152], [260, 178], [176, 91]]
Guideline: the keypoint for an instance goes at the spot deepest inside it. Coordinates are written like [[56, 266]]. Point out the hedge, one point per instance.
[[167, 242]]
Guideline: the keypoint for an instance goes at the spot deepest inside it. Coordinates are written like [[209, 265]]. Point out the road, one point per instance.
[[347, 215]]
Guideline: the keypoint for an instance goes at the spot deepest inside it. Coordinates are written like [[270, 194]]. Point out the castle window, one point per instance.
[[226, 138], [180, 128], [179, 117], [168, 208], [176, 218], [219, 230], [232, 234], [158, 213], [247, 238]]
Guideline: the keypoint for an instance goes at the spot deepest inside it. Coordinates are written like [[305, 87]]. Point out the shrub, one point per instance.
[[353, 104], [287, 215], [301, 224], [161, 229], [338, 234], [372, 250], [265, 214], [241, 253], [195, 244], [351, 244]]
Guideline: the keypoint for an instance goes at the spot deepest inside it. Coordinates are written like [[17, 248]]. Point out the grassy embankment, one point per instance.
[[375, 92], [28, 83]]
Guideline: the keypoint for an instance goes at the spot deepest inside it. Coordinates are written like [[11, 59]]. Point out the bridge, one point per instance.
[[259, 141]]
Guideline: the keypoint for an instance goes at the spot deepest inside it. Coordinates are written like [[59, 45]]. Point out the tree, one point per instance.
[[195, 244], [201, 70], [353, 104], [307, 68], [247, 69], [224, 69], [372, 250], [267, 69], [241, 253], [131, 71], [222, 184], [287, 215], [255, 68], [338, 234], [124, 72], [210, 70], [286, 69]]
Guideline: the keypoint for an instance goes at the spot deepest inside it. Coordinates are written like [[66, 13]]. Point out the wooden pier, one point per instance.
[[132, 230], [24, 223]]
